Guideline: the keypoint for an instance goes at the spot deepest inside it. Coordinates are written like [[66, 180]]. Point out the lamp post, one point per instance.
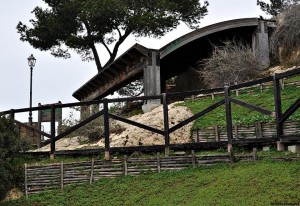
[[31, 63]]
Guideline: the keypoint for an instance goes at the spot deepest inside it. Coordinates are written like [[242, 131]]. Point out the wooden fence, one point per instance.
[[40, 178], [279, 116], [259, 130]]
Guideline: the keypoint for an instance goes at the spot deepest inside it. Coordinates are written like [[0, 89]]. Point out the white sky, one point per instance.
[[56, 79]]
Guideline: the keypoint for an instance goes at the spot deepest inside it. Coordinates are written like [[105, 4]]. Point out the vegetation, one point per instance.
[[133, 89], [242, 115], [10, 164], [263, 182], [93, 130], [83, 25], [276, 7], [285, 40], [229, 64]]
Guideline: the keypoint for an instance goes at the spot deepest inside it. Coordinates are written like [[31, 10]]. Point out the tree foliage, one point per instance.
[[10, 146], [286, 37], [276, 7], [133, 89], [229, 64], [81, 25]]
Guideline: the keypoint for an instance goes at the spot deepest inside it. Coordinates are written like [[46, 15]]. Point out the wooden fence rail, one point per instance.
[[231, 132], [259, 130], [40, 178]]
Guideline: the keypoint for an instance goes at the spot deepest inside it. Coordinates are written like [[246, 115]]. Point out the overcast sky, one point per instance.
[[56, 79]]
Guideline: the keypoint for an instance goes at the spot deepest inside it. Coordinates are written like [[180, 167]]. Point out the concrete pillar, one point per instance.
[[260, 43], [152, 82], [294, 148]]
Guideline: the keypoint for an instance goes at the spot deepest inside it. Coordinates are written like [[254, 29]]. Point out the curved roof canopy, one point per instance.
[[175, 57], [189, 49]]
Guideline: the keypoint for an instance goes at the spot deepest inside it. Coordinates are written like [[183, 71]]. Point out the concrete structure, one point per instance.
[[152, 82], [294, 148], [175, 59]]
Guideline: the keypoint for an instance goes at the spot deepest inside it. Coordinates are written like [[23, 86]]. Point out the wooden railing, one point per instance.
[[279, 116]]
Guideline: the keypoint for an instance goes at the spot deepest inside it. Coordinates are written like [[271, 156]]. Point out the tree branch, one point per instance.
[[116, 48], [93, 48], [96, 57], [106, 47], [119, 32]]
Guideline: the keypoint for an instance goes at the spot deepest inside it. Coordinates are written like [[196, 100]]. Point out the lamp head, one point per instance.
[[31, 60]]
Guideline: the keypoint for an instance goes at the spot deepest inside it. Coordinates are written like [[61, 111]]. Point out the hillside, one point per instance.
[[241, 115], [263, 182]]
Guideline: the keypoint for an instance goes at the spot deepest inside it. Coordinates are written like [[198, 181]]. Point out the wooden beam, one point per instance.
[[251, 106], [151, 129], [278, 108], [196, 116], [290, 111], [79, 125], [228, 114]]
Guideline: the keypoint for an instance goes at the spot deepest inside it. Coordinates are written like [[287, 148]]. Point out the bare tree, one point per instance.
[[285, 40], [229, 64]]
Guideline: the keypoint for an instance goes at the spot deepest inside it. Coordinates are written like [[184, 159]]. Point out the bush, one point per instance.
[[229, 64], [10, 164], [285, 40]]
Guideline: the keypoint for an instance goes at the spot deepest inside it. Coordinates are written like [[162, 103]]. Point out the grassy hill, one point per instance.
[[264, 182], [242, 115]]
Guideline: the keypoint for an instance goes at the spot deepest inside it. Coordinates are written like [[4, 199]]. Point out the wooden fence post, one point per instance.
[[52, 149], [158, 162], [25, 181], [278, 108], [166, 124], [231, 153], [217, 133], [258, 129], [261, 87], [62, 175], [236, 131], [282, 83], [39, 136], [197, 136], [228, 116], [255, 154], [125, 165], [106, 129], [92, 171], [193, 158]]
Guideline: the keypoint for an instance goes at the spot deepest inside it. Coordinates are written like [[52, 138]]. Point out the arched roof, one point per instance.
[[183, 52]]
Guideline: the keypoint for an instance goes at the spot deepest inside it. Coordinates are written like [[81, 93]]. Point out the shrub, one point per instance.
[[285, 40], [229, 64], [10, 164]]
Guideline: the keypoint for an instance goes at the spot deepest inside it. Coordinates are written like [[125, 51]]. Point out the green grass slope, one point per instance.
[[263, 182], [242, 115]]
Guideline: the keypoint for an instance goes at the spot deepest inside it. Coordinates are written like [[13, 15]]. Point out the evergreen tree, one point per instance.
[[10, 147], [82, 25]]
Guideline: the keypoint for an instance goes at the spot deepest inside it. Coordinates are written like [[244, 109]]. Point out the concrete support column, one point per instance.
[[152, 82], [260, 43], [294, 148]]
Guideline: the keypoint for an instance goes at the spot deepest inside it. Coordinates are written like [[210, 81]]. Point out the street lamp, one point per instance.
[[31, 63]]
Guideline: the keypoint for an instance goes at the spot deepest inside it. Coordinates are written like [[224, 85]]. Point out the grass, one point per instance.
[[264, 182], [242, 115]]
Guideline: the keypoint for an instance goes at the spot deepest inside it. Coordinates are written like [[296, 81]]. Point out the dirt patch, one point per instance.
[[124, 134]]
